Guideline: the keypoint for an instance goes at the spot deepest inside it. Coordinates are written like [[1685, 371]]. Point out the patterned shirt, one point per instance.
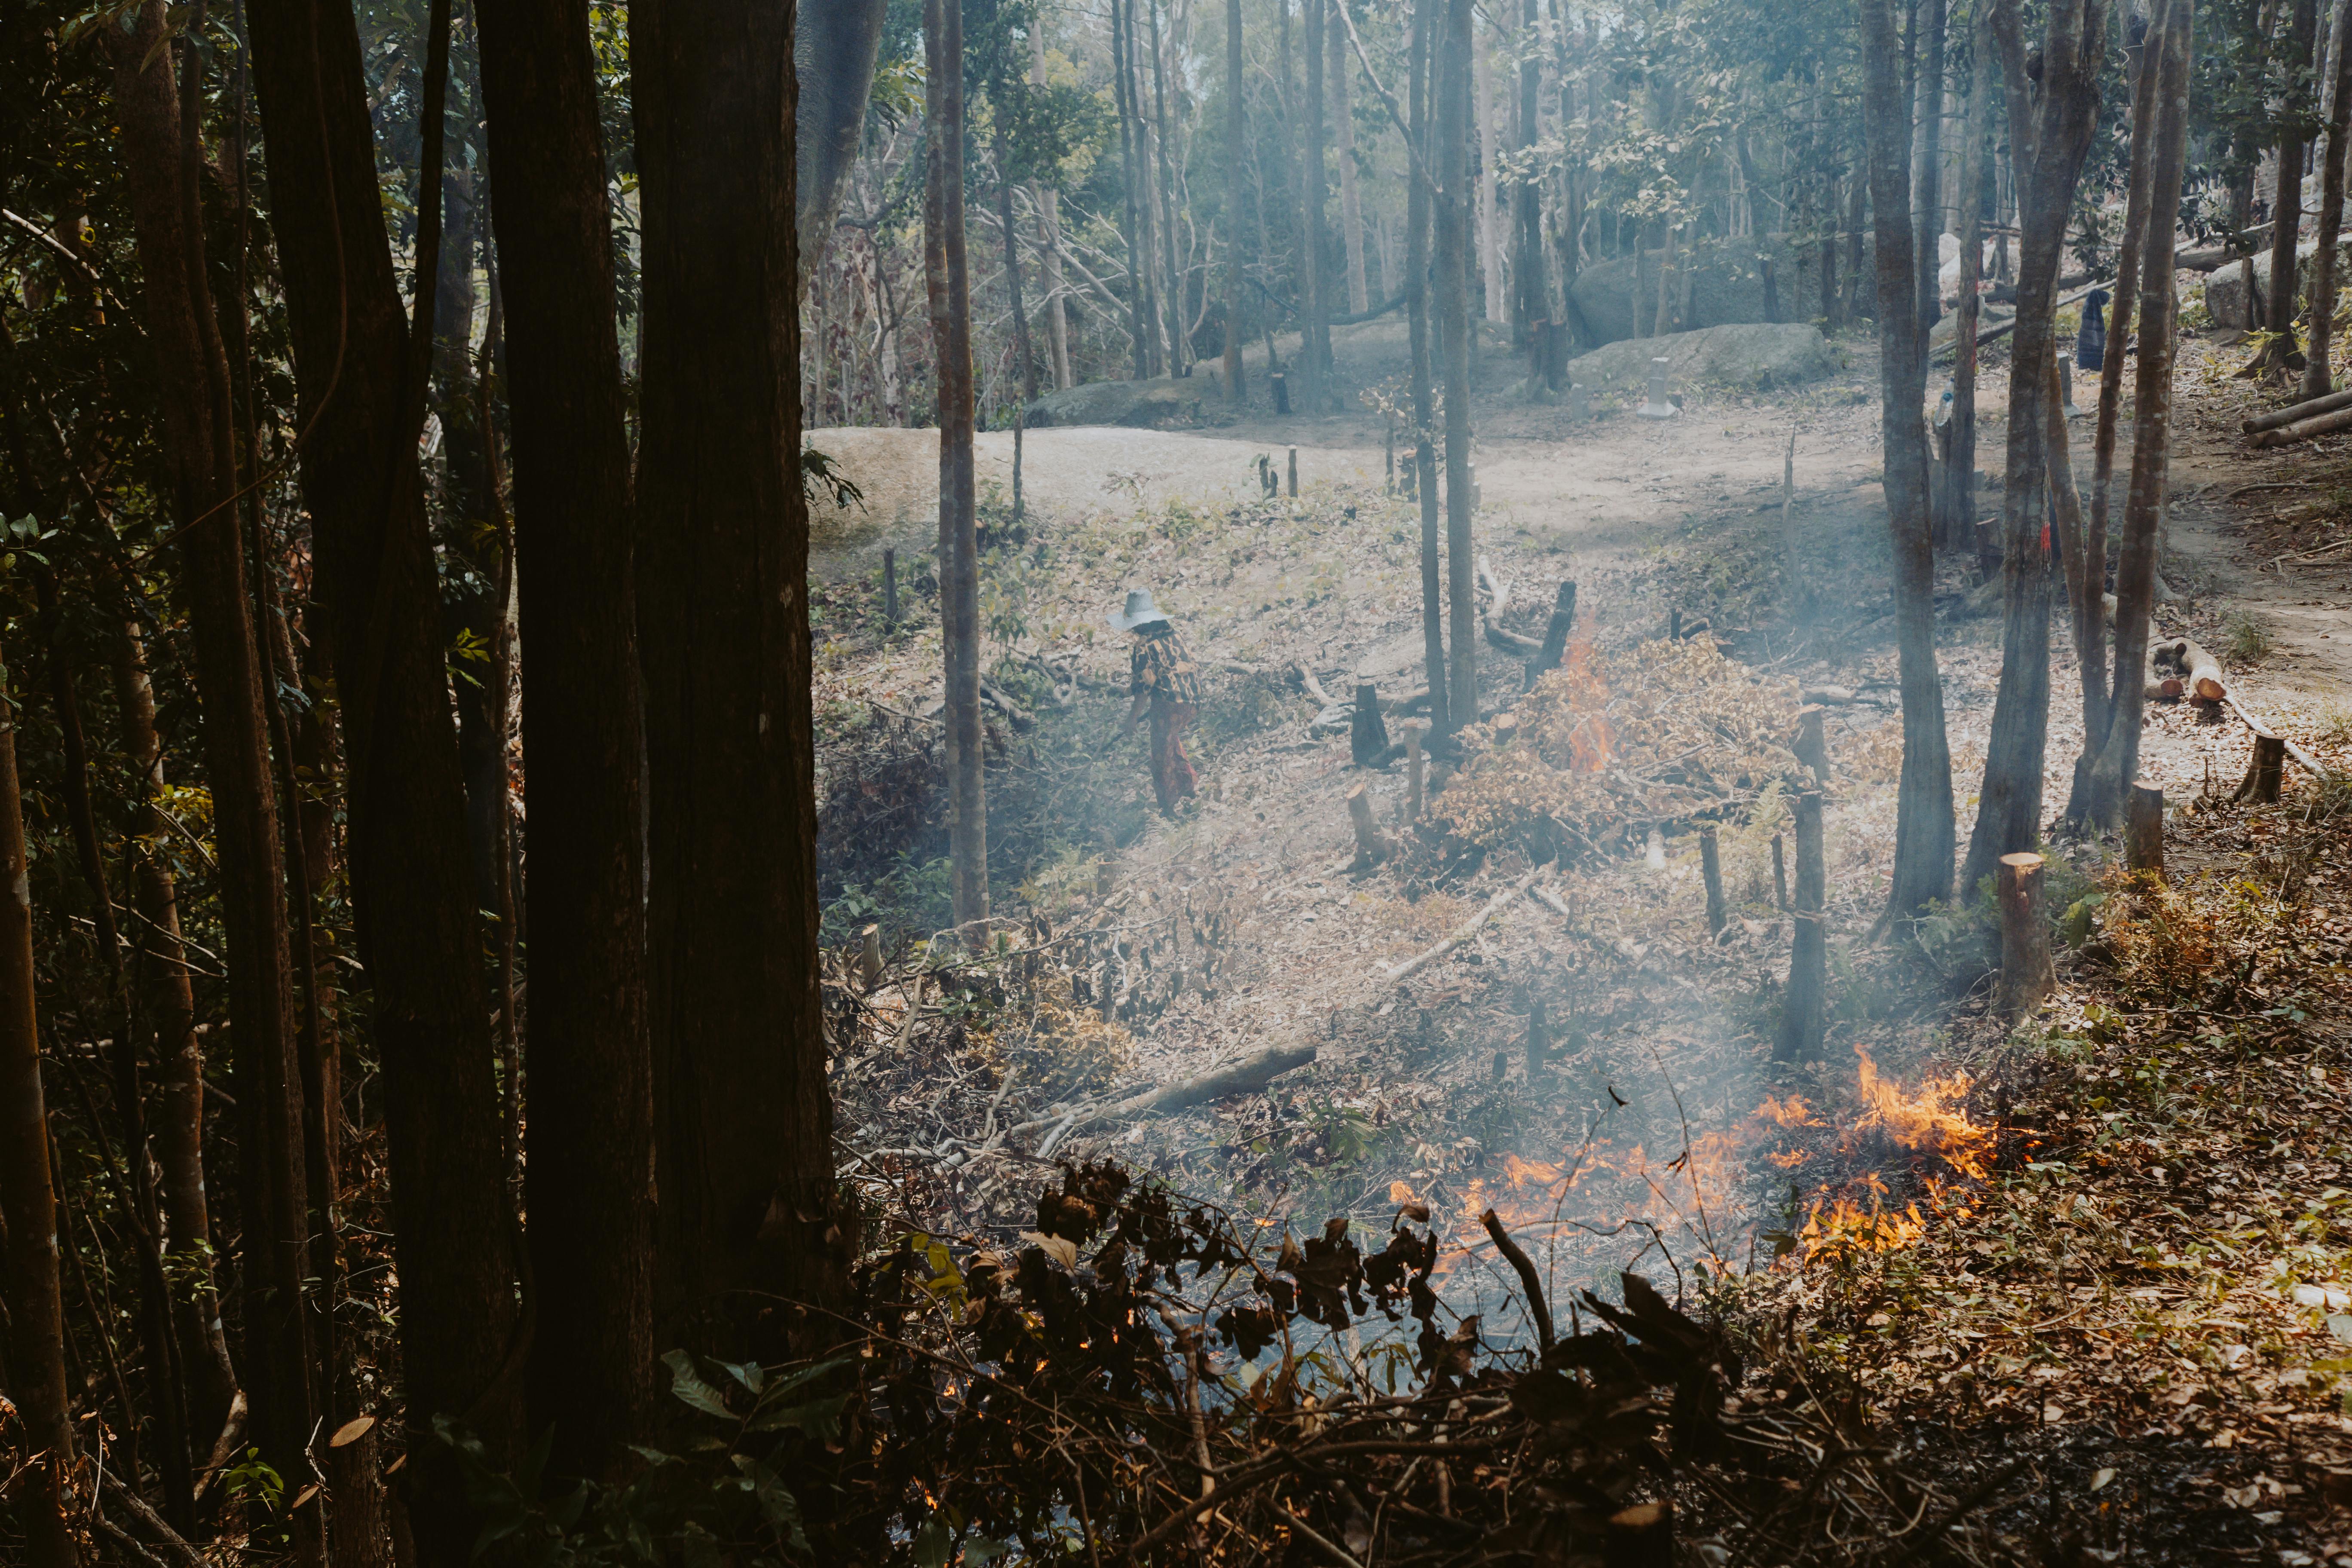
[[1162, 666]]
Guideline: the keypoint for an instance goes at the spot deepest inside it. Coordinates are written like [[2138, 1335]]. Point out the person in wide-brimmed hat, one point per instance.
[[1165, 685]]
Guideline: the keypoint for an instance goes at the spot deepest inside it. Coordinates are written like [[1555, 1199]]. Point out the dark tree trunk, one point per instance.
[[1180, 347], [34, 1319], [1452, 168], [2319, 350], [1419, 200], [1022, 348], [1928, 157], [1924, 830], [192, 371], [1131, 186], [835, 44], [1956, 525], [2118, 762], [362, 371], [1236, 138], [1528, 268], [2286, 202], [1314, 288], [590, 1058], [743, 1122]]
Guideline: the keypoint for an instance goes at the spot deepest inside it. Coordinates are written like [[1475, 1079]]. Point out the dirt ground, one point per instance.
[[1647, 1141]]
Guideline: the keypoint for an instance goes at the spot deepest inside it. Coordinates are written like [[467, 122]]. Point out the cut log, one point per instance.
[[1368, 738], [2143, 829], [2195, 673], [2308, 409], [2265, 772], [2304, 429], [869, 958], [1563, 621], [1461, 933], [1811, 746], [1372, 846], [2027, 975], [1710, 865]]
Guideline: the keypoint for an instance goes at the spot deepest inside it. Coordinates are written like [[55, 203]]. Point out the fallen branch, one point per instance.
[[1247, 1075], [1537, 1308], [2310, 763], [1461, 933], [2307, 409], [2304, 429]]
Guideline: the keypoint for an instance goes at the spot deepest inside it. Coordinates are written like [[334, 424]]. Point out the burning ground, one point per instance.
[[1968, 1247]]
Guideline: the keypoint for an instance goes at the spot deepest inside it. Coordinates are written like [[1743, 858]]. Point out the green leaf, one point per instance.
[[932, 1544], [689, 1385]]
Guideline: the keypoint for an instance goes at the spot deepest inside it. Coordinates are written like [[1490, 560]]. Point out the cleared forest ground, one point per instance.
[[2096, 1262]]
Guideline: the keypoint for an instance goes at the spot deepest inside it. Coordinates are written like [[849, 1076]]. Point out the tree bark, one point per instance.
[[1236, 137], [1419, 198], [835, 45], [1314, 285], [590, 1061], [1534, 290], [2286, 202], [743, 1122], [1130, 187], [1958, 519], [1454, 212], [2318, 375], [1924, 830], [2118, 761], [192, 375], [34, 1319], [1351, 207], [1927, 161], [1180, 348]]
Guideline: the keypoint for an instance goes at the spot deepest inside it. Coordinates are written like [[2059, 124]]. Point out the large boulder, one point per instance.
[[1754, 355], [1728, 285], [2225, 286], [1157, 405]]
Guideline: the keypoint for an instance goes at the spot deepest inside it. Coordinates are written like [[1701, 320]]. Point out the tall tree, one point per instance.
[[590, 1055], [1132, 207], [1049, 241], [1179, 349], [2052, 125], [34, 1318], [361, 373], [1927, 156], [2286, 202], [1315, 283], [1532, 298], [743, 1122], [1452, 170], [1352, 205], [836, 44], [161, 160], [1420, 200], [1955, 519], [2118, 760], [1924, 831], [1236, 136], [2326, 280]]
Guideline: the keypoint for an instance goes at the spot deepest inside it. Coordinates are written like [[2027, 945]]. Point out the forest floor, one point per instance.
[[2094, 1266]]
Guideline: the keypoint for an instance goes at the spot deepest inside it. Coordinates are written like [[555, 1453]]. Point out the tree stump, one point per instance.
[[2264, 773], [1294, 471], [1812, 746], [891, 588], [869, 957], [1710, 865], [1813, 868], [1563, 620], [1368, 733], [1281, 392], [1372, 846], [2143, 829], [2027, 974], [1780, 876], [1413, 771], [1803, 1003], [1642, 1536]]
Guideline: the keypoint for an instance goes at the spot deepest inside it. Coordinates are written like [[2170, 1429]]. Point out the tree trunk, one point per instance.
[[1452, 168], [2118, 762], [1316, 286], [2056, 122], [1418, 199], [835, 45], [2319, 376], [1482, 145], [35, 1320], [1049, 227], [1351, 207], [590, 1063], [1959, 514], [743, 1125], [1131, 211], [2286, 202], [1534, 290], [1927, 163], [1923, 827], [1180, 346], [1236, 139], [192, 371]]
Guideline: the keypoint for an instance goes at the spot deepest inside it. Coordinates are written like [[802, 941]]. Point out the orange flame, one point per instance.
[[1591, 740], [1928, 1122]]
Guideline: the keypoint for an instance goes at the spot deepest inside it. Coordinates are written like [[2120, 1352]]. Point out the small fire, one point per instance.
[[1928, 1122], [1591, 740], [1844, 1224]]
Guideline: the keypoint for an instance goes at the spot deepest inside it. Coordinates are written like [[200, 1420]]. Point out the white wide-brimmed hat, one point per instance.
[[1140, 612]]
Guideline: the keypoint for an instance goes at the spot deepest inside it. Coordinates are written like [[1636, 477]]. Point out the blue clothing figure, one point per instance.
[[2091, 343]]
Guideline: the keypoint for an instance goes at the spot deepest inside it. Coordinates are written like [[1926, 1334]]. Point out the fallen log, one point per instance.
[[2198, 672], [2309, 408], [996, 698], [1461, 933], [2304, 429], [1247, 1075]]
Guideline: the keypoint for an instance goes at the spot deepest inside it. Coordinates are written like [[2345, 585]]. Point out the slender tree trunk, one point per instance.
[[590, 1057], [1482, 180], [1131, 187], [1924, 830], [192, 375], [1236, 138], [2319, 373], [2118, 761], [34, 1319], [1452, 168], [743, 1122], [1958, 520], [2286, 202], [1022, 348], [1316, 285], [1534, 290], [1180, 347], [1927, 162], [1351, 207], [2147, 112], [1049, 227], [1418, 199]]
